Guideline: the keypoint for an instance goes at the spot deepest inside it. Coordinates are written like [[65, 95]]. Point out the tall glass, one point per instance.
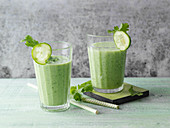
[[53, 79], [107, 64]]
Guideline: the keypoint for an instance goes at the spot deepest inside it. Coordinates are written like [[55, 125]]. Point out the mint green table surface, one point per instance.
[[19, 108]]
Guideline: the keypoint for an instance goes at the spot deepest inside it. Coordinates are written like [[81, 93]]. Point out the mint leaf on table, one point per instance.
[[123, 27], [133, 92], [29, 41], [76, 92]]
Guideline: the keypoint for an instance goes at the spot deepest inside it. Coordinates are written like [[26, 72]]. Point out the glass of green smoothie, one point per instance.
[[52, 64], [53, 78], [107, 64], [107, 57]]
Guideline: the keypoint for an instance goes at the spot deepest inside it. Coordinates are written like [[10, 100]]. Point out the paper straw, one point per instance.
[[32, 85], [93, 101], [84, 107]]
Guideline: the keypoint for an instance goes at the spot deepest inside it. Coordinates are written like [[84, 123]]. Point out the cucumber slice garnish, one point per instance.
[[41, 53], [122, 40]]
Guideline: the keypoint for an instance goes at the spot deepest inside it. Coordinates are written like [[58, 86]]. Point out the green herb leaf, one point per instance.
[[116, 28], [80, 86], [84, 84], [77, 96], [123, 27], [73, 90], [52, 59], [133, 92], [87, 88], [110, 31], [30, 42], [77, 93]]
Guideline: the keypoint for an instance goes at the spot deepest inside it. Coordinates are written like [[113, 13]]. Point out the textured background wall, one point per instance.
[[71, 20]]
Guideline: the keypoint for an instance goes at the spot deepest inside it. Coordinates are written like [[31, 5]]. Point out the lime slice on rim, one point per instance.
[[122, 40], [41, 53]]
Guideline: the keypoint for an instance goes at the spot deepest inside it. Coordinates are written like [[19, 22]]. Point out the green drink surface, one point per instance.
[[54, 81], [107, 65]]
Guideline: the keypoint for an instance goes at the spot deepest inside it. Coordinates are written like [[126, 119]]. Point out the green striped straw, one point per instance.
[[101, 103]]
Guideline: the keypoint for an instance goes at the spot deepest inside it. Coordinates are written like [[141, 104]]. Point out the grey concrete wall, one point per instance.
[[71, 20]]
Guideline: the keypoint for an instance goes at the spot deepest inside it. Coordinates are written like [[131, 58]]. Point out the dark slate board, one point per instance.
[[119, 97]]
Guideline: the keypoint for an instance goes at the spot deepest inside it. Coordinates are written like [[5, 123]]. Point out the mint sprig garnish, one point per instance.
[[123, 27], [29, 41], [76, 92], [133, 92]]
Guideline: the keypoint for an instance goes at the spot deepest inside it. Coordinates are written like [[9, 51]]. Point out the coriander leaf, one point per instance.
[[110, 31], [87, 88], [124, 27], [133, 92], [84, 84], [116, 28], [77, 93], [77, 96], [80, 86], [30, 42], [88, 82], [73, 89]]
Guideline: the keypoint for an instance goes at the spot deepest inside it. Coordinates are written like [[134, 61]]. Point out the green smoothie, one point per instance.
[[107, 65], [54, 80]]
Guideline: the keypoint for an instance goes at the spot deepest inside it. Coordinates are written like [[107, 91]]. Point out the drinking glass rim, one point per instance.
[[92, 35], [98, 36], [62, 42], [104, 47]]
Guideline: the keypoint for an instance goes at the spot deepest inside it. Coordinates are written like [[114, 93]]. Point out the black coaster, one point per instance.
[[119, 97]]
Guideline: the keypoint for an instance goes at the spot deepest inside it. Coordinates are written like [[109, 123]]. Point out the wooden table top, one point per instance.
[[19, 107]]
